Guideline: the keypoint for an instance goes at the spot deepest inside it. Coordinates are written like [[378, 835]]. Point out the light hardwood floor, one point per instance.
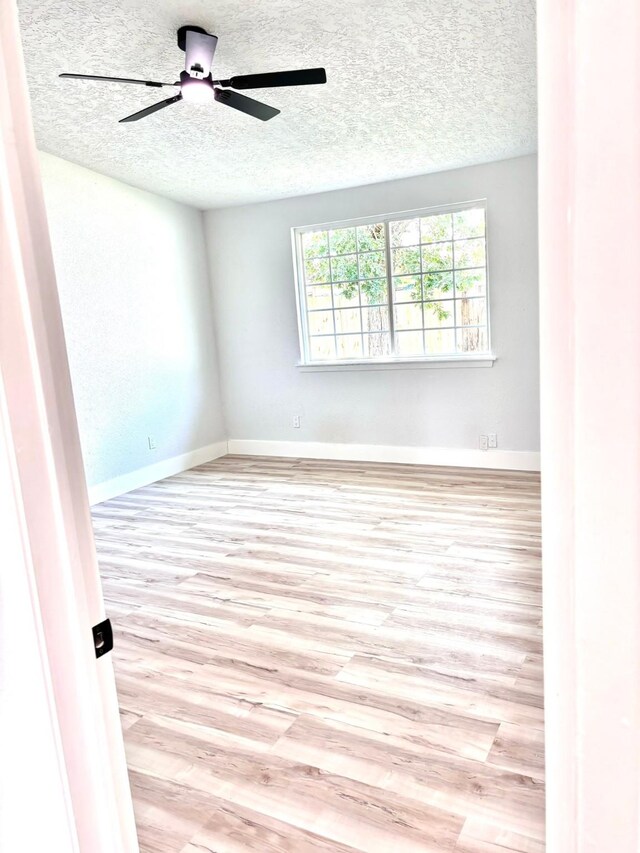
[[329, 656]]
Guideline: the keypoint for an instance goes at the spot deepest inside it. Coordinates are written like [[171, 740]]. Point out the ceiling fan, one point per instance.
[[196, 84]]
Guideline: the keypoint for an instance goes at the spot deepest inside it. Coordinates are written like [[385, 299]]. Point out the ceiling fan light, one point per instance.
[[197, 91]]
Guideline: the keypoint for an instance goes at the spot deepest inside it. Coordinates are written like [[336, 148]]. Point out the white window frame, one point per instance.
[[484, 359]]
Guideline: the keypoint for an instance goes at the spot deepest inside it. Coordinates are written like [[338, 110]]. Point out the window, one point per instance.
[[394, 287]]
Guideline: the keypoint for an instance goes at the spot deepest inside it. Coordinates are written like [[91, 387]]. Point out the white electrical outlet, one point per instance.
[[484, 442], [151, 442], [493, 439], [296, 421]]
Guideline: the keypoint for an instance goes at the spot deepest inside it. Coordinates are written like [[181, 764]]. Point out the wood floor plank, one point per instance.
[[478, 836], [342, 809], [317, 656], [236, 829], [432, 777]]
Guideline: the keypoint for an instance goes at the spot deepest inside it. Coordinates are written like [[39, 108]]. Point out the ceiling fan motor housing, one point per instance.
[[199, 49], [182, 34]]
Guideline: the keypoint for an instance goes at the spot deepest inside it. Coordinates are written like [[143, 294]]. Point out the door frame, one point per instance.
[[589, 218], [39, 428]]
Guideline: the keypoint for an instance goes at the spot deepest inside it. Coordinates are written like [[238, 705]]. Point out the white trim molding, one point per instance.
[[152, 473], [398, 364], [462, 457]]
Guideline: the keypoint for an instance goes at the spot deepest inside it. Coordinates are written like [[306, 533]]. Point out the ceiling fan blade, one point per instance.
[[117, 80], [304, 77], [199, 50], [246, 105], [152, 109]]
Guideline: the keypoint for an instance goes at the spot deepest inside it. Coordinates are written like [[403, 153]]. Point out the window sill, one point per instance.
[[398, 364]]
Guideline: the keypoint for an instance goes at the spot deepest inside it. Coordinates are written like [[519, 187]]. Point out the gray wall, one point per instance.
[[136, 303], [255, 315]]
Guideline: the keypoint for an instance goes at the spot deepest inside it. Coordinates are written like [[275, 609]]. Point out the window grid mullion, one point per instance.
[[455, 289], [333, 303], [456, 310], [360, 309], [342, 334], [307, 330], [390, 300], [424, 337], [360, 294]]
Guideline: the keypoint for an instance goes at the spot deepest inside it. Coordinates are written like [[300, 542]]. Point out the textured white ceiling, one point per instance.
[[414, 86]]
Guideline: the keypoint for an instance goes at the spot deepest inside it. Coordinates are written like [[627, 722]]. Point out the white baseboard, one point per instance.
[[152, 473], [514, 460]]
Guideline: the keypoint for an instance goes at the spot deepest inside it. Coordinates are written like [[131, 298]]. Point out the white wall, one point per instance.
[[256, 325], [136, 303]]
